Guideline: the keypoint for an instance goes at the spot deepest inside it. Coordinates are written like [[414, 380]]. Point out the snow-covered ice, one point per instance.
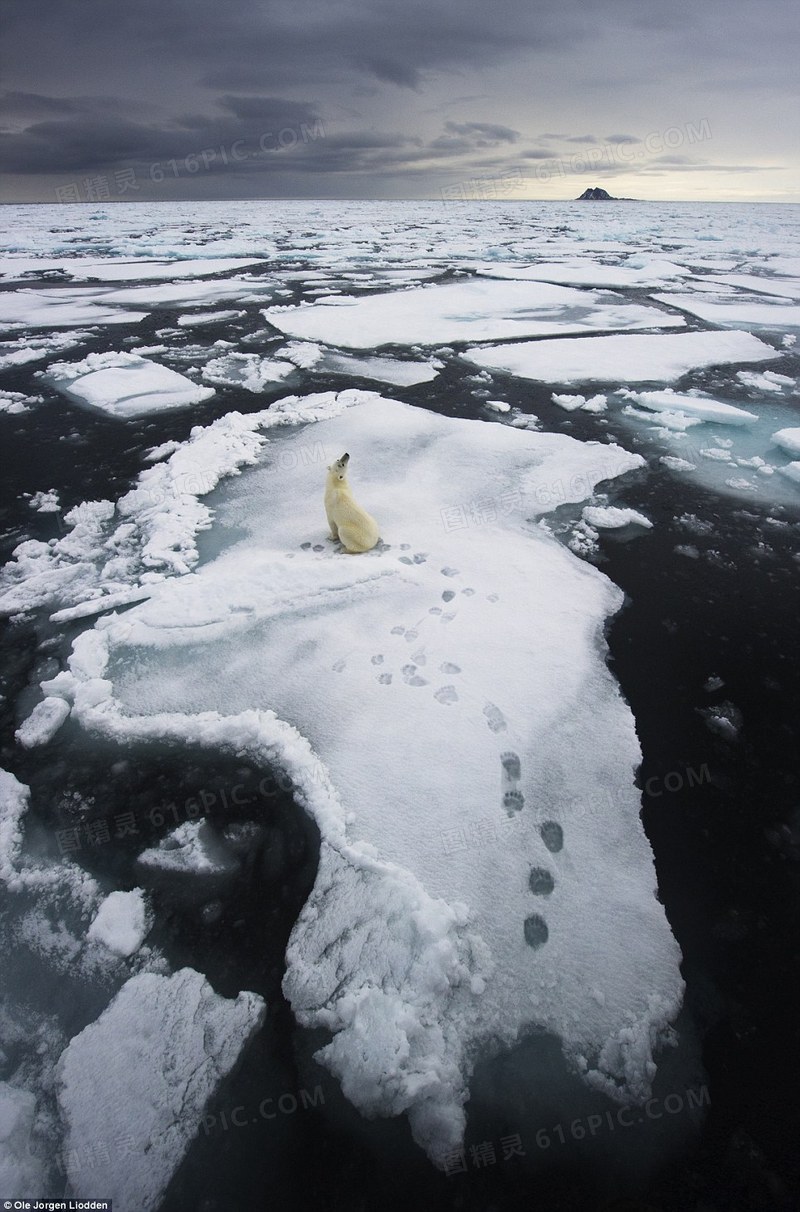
[[43, 722], [744, 311], [122, 922], [399, 372], [143, 1073], [22, 1173], [478, 309], [59, 309], [623, 358], [124, 385], [788, 440], [474, 643], [247, 370], [609, 517], [701, 408]]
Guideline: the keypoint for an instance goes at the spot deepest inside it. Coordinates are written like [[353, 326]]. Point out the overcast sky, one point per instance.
[[135, 99]]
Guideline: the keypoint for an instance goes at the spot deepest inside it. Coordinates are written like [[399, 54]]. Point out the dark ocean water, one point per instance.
[[722, 816]]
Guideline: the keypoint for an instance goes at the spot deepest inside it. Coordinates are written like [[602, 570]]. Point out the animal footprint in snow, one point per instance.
[[536, 932], [449, 572], [419, 657], [449, 667], [377, 659], [552, 835], [495, 718], [398, 631], [468, 592], [540, 881], [446, 694], [513, 801], [411, 677], [385, 679], [339, 666], [448, 595], [510, 773]]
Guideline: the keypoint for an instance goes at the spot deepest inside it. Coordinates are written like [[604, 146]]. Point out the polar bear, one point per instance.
[[349, 523]]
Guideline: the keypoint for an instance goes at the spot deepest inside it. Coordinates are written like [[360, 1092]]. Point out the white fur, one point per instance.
[[349, 523]]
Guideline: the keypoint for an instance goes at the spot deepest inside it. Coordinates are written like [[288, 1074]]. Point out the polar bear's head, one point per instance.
[[339, 468]]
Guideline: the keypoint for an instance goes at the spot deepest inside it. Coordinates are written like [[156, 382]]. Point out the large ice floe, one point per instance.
[[133, 1085], [443, 706], [464, 311], [621, 358]]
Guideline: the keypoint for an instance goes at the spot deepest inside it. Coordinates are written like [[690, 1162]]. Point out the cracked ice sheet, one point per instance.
[[402, 680], [478, 309]]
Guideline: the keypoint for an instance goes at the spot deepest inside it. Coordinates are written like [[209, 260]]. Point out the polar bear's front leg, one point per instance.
[[334, 535]]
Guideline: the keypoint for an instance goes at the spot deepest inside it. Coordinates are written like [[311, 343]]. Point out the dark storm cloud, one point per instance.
[[94, 85]]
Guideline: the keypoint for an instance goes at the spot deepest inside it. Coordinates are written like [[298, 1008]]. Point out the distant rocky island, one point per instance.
[[596, 194]]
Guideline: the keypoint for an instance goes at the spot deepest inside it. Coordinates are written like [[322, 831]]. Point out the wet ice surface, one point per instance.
[[676, 340]]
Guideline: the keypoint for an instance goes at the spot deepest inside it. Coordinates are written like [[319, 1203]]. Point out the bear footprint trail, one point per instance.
[[540, 881], [513, 799]]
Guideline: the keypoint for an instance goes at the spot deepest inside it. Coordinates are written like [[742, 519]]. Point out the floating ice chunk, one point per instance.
[[122, 922], [45, 502], [567, 402], [701, 407], [609, 517], [461, 311], [788, 440], [675, 463], [201, 318], [144, 1072], [13, 402], [43, 722], [123, 385], [497, 405], [641, 358], [304, 354], [736, 311], [193, 846], [55, 309], [584, 272], [724, 720], [791, 471], [403, 373], [31, 349], [249, 371], [767, 380], [21, 1171]]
